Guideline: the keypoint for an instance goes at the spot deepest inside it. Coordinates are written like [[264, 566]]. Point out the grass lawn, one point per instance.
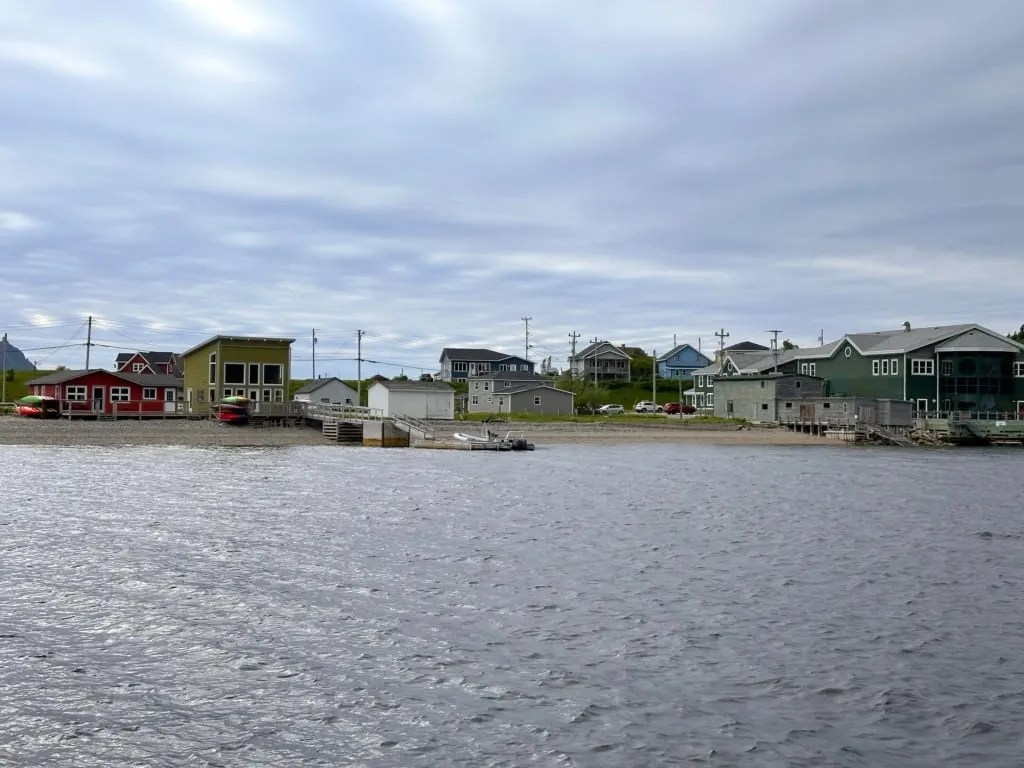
[[16, 389]]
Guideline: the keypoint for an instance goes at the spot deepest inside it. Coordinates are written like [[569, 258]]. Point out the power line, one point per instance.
[[572, 356], [526, 321]]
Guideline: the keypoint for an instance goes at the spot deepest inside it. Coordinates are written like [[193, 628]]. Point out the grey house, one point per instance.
[[756, 397], [459, 364], [601, 360], [331, 390], [521, 392]]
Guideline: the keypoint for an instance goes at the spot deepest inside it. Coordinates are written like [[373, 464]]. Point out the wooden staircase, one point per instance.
[[343, 432]]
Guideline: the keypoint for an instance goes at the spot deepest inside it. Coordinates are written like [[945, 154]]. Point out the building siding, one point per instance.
[[249, 352], [426, 404]]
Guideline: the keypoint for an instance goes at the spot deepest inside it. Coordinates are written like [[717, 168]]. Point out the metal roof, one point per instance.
[[469, 355], [221, 337]]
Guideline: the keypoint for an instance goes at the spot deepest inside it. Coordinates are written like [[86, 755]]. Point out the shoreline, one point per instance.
[[15, 430]]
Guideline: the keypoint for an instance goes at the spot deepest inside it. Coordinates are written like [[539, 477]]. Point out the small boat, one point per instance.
[[235, 412], [38, 407], [462, 437]]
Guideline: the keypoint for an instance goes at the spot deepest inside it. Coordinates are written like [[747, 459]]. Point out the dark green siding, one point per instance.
[[852, 375]]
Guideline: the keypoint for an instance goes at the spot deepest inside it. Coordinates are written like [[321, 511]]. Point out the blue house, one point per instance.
[[681, 361], [459, 364]]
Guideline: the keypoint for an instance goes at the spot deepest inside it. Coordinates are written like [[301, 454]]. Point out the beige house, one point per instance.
[[601, 360]]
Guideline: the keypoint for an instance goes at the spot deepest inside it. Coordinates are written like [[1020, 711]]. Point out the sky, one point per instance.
[[433, 171]]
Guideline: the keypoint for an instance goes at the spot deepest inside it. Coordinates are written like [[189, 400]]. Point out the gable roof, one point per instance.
[[222, 337], [978, 341], [634, 351], [534, 387], [679, 348], [509, 376], [747, 346], [315, 384], [596, 349], [901, 341], [153, 358], [415, 386], [142, 379], [469, 355]]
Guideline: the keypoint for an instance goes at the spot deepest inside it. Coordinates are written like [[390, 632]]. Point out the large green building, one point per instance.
[[250, 366], [939, 369]]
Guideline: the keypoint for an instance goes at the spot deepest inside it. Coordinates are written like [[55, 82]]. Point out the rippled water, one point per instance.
[[584, 606]]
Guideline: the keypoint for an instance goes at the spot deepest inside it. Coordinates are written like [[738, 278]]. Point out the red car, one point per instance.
[[672, 408]]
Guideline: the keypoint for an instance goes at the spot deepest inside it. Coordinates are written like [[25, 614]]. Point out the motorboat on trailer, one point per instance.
[[38, 407]]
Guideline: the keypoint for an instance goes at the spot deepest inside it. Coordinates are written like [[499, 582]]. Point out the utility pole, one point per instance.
[[821, 338], [595, 341], [314, 353], [3, 371], [572, 358], [654, 377], [359, 366], [88, 343], [527, 320], [722, 336], [775, 347]]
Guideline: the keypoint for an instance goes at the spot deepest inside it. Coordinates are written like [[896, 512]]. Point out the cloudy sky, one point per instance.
[[431, 171]]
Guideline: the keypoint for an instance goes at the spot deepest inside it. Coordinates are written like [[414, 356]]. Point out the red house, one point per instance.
[[147, 362], [97, 391]]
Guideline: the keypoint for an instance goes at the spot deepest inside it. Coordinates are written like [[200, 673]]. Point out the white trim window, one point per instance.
[[885, 367], [700, 382], [460, 367], [273, 374], [213, 368], [74, 392], [805, 369], [234, 373], [120, 394], [894, 367], [874, 367], [922, 367], [1018, 370], [149, 393], [536, 399], [138, 367], [474, 400], [711, 400], [524, 367], [813, 368], [947, 369]]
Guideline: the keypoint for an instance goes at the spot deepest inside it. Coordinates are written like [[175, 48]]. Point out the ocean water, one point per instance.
[[578, 606]]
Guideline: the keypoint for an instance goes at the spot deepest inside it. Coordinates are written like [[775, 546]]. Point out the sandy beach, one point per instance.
[[20, 431]]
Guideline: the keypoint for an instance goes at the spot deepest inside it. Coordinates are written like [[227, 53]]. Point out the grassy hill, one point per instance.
[[16, 388]]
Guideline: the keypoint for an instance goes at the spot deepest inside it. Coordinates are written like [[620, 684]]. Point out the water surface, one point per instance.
[[578, 606]]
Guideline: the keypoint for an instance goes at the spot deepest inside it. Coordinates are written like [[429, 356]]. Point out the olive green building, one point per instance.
[[251, 366]]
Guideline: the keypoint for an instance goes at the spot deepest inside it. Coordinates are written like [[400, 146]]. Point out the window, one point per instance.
[[894, 366], [459, 367], [700, 400], [848, 351], [476, 386], [846, 407], [75, 392], [796, 384], [525, 367], [149, 393], [885, 367], [234, 373], [789, 405], [711, 399], [138, 367], [1018, 370], [813, 369], [227, 392], [475, 400], [487, 386], [272, 373], [826, 405], [947, 367], [253, 395], [120, 394], [874, 367], [266, 395], [926, 367], [700, 382], [278, 395], [507, 384], [240, 392], [213, 369], [804, 369], [483, 367], [764, 406], [536, 400], [254, 373]]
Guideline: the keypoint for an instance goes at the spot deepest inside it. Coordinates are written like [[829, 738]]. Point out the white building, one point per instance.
[[327, 391], [418, 399]]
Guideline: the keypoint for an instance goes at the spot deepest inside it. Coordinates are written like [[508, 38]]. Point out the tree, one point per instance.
[[787, 344], [588, 397], [1018, 335]]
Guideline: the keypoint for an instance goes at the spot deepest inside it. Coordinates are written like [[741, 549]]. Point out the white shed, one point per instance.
[[418, 399], [327, 391]]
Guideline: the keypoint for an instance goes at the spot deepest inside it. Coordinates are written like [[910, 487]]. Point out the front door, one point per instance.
[[1020, 409], [922, 407], [170, 400], [97, 399]]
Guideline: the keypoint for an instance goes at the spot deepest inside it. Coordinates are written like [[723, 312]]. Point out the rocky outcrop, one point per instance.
[[14, 360]]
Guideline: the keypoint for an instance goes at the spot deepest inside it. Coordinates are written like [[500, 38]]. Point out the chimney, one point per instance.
[[906, 327]]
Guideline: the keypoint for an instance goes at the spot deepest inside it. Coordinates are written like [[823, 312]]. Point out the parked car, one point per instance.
[[646, 406], [688, 410], [672, 408], [611, 409]]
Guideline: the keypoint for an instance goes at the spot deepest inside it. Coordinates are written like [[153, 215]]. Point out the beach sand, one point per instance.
[[20, 431]]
